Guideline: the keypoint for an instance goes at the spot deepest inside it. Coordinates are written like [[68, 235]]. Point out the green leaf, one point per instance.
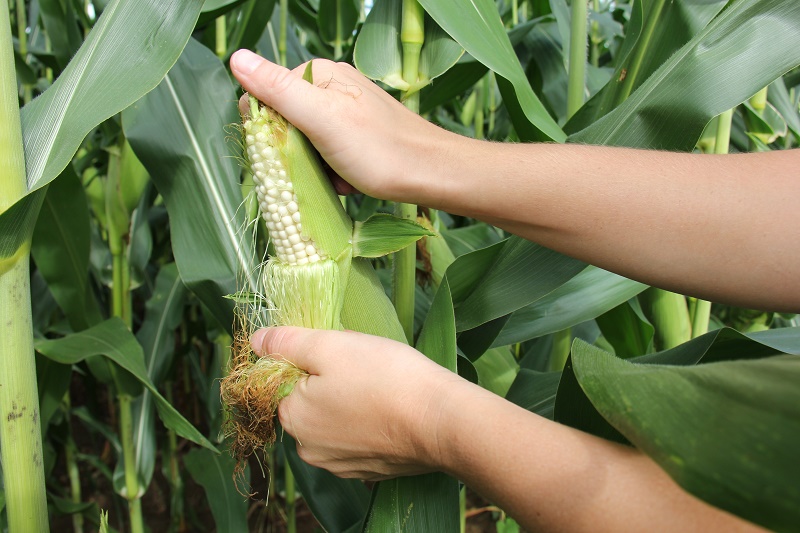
[[133, 43], [53, 381], [336, 20], [437, 340], [747, 465], [61, 249], [535, 391], [476, 26], [407, 504], [497, 370], [767, 126], [378, 52], [745, 48], [113, 340], [163, 314], [584, 297], [383, 234], [215, 473], [522, 273], [337, 504], [62, 29], [627, 329], [178, 131]]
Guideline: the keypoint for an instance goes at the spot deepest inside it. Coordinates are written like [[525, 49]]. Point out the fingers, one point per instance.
[[278, 87]]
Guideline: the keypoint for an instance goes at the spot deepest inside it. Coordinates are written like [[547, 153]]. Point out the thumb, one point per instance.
[[276, 86], [296, 345]]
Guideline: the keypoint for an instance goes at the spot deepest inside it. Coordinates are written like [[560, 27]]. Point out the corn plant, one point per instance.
[[130, 313]]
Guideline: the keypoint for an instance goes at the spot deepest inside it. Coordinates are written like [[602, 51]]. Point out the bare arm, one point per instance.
[[404, 414], [723, 228]]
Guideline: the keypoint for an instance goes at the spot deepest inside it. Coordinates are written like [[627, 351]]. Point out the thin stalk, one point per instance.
[[121, 309], [221, 47], [284, 22], [337, 45], [490, 84], [479, 110], [291, 512], [177, 519], [72, 466], [640, 51], [22, 36], [669, 314], [514, 12], [576, 82], [594, 53], [462, 506], [412, 36], [560, 350], [759, 100], [20, 431]]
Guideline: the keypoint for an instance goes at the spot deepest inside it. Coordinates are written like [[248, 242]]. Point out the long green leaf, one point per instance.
[[476, 26], [747, 464], [584, 297], [745, 48], [61, 249], [113, 340], [178, 131], [214, 472], [126, 54]]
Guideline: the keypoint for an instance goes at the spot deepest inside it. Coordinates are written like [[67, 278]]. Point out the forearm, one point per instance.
[[717, 227], [551, 477]]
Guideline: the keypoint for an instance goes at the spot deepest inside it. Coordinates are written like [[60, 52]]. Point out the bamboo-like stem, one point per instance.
[[641, 50], [514, 12], [560, 349], [669, 314], [576, 82], [221, 41], [337, 45], [72, 466], [462, 506], [594, 53], [284, 23], [759, 100], [490, 84], [22, 37], [479, 110], [412, 35], [177, 518], [20, 430], [291, 508]]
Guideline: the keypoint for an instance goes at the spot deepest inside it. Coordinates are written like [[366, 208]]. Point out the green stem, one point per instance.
[[594, 54], [337, 45], [577, 57], [20, 430], [490, 84], [284, 22], [514, 13], [221, 47], [22, 36], [759, 100], [291, 513], [669, 314], [560, 350], [412, 35], [73, 471], [121, 308], [177, 520], [462, 508], [129, 455], [479, 110], [641, 50]]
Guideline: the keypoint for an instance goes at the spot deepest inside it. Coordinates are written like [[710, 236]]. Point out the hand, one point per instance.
[[365, 135], [370, 408]]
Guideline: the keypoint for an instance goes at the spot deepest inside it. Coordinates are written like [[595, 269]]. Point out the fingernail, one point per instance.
[[257, 341], [246, 61]]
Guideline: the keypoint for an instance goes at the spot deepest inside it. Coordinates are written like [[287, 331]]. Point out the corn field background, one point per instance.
[[122, 204]]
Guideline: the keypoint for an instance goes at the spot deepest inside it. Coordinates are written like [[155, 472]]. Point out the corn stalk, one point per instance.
[[20, 433], [412, 35]]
